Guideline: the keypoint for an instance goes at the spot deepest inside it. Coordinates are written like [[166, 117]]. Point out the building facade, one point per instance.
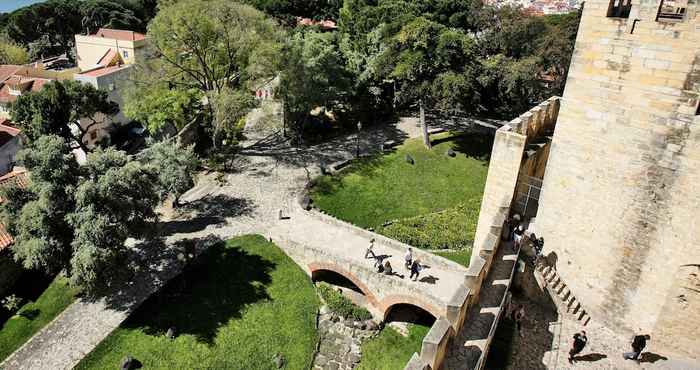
[[619, 199], [92, 50]]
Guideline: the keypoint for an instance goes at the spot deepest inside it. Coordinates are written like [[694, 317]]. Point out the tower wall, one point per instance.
[[620, 201]]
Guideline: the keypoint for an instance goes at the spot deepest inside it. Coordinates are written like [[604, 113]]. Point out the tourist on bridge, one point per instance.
[[415, 270], [370, 250], [638, 344], [518, 235], [409, 258], [387, 268], [579, 344]]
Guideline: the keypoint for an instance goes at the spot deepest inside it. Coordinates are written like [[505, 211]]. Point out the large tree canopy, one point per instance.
[[209, 56], [77, 218], [58, 107]]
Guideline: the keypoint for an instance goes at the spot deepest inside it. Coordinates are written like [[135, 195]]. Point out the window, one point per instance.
[[671, 10], [126, 54], [619, 8]]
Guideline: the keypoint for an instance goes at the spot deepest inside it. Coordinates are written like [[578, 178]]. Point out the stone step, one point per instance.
[[565, 294], [577, 307], [581, 314], [588, 319], [561, 288]]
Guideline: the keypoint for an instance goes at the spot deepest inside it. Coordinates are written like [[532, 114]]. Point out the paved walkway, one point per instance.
[[269, 178], [470, 342], [547, 336]]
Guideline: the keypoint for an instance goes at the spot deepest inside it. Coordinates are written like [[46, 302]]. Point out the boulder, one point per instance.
[[279, 360], [410, 159], [451, 153], [171, 333]]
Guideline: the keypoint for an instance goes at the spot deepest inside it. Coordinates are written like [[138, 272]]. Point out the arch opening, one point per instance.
[[336, 279], [409, 313]]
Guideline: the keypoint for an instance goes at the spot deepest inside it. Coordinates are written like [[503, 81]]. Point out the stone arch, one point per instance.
[[401, 299], [315, 267]]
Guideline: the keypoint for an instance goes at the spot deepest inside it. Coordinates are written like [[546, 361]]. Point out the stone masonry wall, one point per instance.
[[620, 195]]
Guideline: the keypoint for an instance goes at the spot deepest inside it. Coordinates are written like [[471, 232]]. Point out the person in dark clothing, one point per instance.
[[638, 344], [580, 341], [415, 270], [517, 316]]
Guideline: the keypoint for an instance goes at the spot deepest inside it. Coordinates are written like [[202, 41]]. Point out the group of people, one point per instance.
[[514, 230], [639, 342], [413, 265]]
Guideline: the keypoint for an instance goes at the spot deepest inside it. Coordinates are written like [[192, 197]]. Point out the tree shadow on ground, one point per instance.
[[212, 290], [204, 212], [29, 286], [474, 144]]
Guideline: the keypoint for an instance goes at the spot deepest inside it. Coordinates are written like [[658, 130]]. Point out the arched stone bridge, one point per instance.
[[320, 243]]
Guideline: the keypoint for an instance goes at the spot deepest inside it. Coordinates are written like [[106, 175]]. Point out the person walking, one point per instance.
[[518, 237], [415, 270], [578, 345], [408, 257], [638, 344], [518, 316], [370, 250]]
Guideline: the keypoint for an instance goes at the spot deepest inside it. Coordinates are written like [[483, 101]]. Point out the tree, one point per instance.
[[175, 167], [38, 218], [109, 14], [77, 219], [158, 107], [314, 75], [431, 64], [230, 107], [11, 52], [59, 107], [214, 46]]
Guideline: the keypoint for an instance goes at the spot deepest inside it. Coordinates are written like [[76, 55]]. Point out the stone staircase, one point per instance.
[[558, 288]]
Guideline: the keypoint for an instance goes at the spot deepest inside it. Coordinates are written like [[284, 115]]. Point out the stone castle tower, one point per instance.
[[620, 197]]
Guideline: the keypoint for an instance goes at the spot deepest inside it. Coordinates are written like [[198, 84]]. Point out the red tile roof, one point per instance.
[[18, 177], [99, 72], [33, 84], [7, 70], [122, 35]]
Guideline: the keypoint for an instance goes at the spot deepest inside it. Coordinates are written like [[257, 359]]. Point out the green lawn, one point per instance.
[[434, 203], [462, 256], [234, 308], [390, 350], [35, 315]]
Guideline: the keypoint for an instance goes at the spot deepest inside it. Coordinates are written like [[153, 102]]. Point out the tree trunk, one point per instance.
[[426, 136]]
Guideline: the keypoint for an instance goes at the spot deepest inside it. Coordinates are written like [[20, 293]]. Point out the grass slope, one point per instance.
[[235, 308], [35, 315], [434, 203], [390, 350]]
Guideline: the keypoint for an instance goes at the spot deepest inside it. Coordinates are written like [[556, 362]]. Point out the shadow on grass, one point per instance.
[[29, 287], [210, 210], [474, 144], [212, 290]]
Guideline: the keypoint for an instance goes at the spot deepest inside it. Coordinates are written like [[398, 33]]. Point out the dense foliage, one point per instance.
[[55, 109], [77, 218], [340, 304], [449, 57]]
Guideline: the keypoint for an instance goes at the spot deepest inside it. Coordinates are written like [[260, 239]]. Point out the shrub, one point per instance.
[[12, 303], [452, 228], [341, 305]]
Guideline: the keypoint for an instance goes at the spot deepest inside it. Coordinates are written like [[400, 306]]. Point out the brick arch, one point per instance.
[[329, 266], [392, 300]]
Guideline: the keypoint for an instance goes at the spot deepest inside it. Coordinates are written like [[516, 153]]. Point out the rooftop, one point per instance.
[[122, 35], [18, 177]]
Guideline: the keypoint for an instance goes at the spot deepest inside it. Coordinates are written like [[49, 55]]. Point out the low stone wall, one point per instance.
[[388, 242]]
